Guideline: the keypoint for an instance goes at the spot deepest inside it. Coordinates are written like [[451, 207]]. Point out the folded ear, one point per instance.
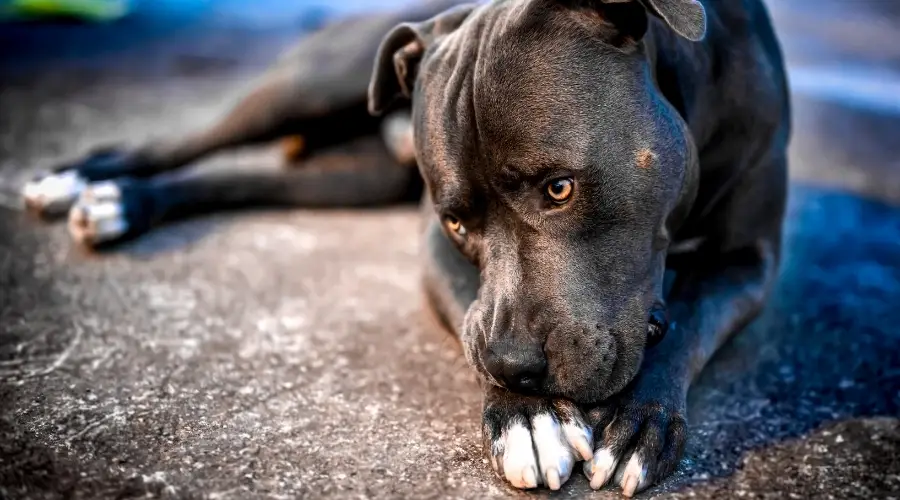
[[400, 54], [685, 17]]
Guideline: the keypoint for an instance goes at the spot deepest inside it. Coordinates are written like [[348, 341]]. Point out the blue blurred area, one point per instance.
[[252, 12], [837, 50], [150, 20]]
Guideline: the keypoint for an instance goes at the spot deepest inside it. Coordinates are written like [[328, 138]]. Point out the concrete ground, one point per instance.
[[282, 354]]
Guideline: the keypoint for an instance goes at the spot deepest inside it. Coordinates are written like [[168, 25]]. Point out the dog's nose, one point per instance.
[[519, 366]]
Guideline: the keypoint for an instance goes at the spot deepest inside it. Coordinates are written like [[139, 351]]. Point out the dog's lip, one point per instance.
[[487, 377], [549, 390]]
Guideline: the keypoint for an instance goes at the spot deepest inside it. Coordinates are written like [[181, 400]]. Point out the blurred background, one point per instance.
[[281, 355], [843, 57]]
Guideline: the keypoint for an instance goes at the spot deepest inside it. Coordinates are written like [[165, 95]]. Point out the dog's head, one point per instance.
[[558, 169]]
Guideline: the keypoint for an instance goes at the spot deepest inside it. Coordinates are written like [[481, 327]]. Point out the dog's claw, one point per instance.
[[580, 439], [529, 478], [553, 481], [630, 485], [634, 477], [600, 468]]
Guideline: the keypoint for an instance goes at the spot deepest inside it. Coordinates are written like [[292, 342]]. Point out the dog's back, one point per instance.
[[732, 90]]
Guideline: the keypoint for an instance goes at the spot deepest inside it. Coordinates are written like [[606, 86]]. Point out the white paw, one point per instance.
[[397, 131], [600, 468], [54, 193], [634, 477], [519, 463], [544, 455], [98, 215]]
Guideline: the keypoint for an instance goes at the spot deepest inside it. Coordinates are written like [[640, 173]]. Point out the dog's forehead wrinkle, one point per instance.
[[450, 132], [544, 157], [512, 87], [479, 88], [513, 57], [496, 80], [444, 142]]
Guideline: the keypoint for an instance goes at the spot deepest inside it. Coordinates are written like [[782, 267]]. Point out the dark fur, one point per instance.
[[678, 152], [523, 92]]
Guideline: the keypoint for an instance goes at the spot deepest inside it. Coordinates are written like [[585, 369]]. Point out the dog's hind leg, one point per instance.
[[316, 91], [269, 111], [359, 173]]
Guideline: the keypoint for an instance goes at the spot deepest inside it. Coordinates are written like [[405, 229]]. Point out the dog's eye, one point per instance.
[[560, 190], [454, 225]]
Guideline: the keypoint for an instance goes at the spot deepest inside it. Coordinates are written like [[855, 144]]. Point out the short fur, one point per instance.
[[669, 117]]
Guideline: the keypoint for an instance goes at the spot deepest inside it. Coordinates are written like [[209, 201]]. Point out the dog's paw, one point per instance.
[[99, 215], [534, 441], [639, 442], [51, 194], [107, 212], [397, 132]]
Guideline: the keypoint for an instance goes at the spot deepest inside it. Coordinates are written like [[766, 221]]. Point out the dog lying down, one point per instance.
[[569, 154]]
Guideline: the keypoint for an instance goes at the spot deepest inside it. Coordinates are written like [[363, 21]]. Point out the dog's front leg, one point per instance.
[[641, 435], [533, 441]]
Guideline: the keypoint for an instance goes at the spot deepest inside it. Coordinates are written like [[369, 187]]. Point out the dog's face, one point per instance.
[[556, 167]]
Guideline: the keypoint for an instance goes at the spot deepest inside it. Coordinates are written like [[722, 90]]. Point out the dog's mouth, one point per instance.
[[582, 373]]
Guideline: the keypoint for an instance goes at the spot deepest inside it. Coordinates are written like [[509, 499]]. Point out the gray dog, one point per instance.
[[576, 154]]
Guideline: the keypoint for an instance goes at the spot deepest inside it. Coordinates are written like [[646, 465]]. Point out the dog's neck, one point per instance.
[[682, 85]]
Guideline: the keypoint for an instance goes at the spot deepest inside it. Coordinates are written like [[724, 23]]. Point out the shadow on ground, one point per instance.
[[823, 352]]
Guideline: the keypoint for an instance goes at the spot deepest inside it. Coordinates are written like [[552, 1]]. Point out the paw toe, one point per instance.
[[98, 216], [519, 464], [580, 438], [634, 476], [553, 452], [102, 191], [53, 194], [602, 467]]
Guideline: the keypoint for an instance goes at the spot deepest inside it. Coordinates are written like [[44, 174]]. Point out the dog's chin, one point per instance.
[[582, 394], [589, 391]]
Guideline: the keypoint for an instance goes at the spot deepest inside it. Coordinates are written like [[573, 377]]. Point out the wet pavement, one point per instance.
[[283, 355]]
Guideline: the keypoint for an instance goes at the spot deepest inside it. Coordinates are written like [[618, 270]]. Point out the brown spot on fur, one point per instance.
[[645, 158], [293, 148]]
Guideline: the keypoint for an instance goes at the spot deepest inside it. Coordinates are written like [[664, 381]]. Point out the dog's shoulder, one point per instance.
[[745, 46], [732, 90], [735, 76]]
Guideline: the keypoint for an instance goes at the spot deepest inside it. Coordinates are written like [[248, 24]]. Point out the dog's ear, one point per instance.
[[401, 51], [685, 17]]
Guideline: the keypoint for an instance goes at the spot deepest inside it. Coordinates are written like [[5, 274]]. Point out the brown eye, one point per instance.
[[454, 225], [560, 190]]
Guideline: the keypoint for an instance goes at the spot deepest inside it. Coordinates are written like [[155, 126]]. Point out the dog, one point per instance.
[[602, 182]]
